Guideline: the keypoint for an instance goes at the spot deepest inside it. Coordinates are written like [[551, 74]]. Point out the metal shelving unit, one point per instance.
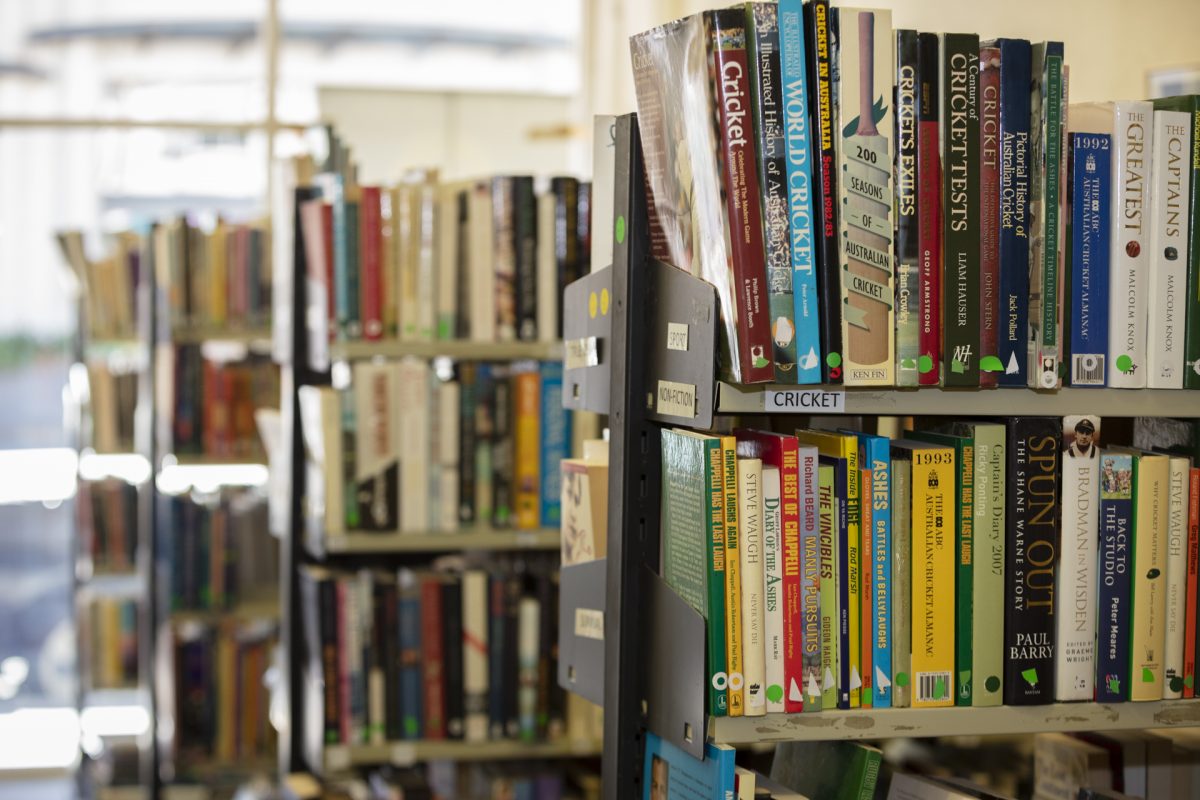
[[645, 684]]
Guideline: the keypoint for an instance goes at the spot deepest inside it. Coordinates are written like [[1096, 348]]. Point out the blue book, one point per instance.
[[1116, 543], [556, 443], [497, 623], [841, 494], [411, 682], [1015, 155], [1086, 315], [875, 451], [800, 190], [670, 773]]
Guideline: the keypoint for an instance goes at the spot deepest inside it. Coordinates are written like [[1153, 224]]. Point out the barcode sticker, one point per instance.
[[1087, 369], [933, 686]]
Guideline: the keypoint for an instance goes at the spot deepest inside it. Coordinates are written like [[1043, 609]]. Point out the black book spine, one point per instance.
[[452, 635], [547, 652], [818, 35], [497, 619], [467, 394], [462, 266], [326, 658], [1031, 537], [525, 239], [512, 604], [908, 270], [353, 272], [584, 230], [387, 625], [566, 236], [502, 447], [960, 192]]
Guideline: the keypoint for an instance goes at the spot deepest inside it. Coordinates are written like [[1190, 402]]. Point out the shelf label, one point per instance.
[[677, 336], [817, 401], [404, 754], [676, 399], [581, 353], [589, 624]]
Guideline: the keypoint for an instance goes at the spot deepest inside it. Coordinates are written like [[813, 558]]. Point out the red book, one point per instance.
[[867, 607], [1193, 572], [929, 208], [739, 174], [783, 451], [989, 214], [433, 675], [371, 286], [327, 237]]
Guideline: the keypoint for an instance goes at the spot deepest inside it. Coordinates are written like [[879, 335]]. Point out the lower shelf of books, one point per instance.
[[407, 753], [894, 723], [363, 543]]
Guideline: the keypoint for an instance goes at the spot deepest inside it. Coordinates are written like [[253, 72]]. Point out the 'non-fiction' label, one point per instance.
[[676, 399], [817, 401]]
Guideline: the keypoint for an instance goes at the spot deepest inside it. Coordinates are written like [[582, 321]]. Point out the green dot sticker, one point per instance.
[[1177, 684], [620, 229], [991, 364], [925, 364], [834, 359], [1147, 675], [902, 679], [992, 684], [957, 366], [1124, 363], [775, 693]]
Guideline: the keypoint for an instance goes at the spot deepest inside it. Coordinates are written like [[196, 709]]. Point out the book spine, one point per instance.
[[810, 572], [907, 232], [433, 660], [733, 578], [528, 624], [989, 216], [372, 267], [555, 429], [502, 448], [511, 654], [497, 630], [504, 258], [1148, 621], [1030, 560], [1114, 585], [742, 197], [718, 688], [800, 189], [525, 234], [822, 118], [773, 589], [763, 51], [1045, 312], [1076, 594], [1193, 611], [455, 650], [864, 155], [827, 521], [475, 655], [1086, 319], [1191, 353], [327, 597], [901, 568], [466, 443], [929, 210], [964, 580], [854, 575], [383, 652], [341, 277], [880, 495], [1177, 576], [412, 724], [527, 450], [793, 632], [933, 567], [566, 237], [1014, 190], [353, 222], [866, 606], [1170, 184], [961, 222], [1129, 245], [987, 648], [842, 581], [750, 513]]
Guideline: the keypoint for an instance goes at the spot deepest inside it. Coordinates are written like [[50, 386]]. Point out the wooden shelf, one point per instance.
[[924, 722], [198, 334], [936, 401], [361, 543], [339, 758], [458, 349]]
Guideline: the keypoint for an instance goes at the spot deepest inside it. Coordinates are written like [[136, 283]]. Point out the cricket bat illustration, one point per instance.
[[867, 282]]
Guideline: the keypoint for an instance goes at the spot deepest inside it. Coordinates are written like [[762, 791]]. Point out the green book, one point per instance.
[[831, 770], [693, 542], [964, 535], [827, 525], [901, 582], [987, 649]]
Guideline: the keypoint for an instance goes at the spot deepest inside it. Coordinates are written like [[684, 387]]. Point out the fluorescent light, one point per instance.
[[178, 478], [45, 475], [129, 467], [39, 739]]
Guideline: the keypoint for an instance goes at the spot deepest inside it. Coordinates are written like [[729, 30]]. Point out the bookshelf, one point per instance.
[[407, 753], [479, 351], [356, 543], [644, 684]]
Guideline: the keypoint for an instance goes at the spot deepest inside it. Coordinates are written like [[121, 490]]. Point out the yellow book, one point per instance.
[[527, 450], [933, 571], [733, 578], [218, 274], [1147, 641], [845, 446]]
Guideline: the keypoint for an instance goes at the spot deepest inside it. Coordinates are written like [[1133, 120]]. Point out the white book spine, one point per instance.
[[427, 293], [377, 446], [475, 655], [1170, 186], [773, 589], [528, 621], [448, 429], [750, 515], [1075, 598], [414, 452], [1130, 243], [547, 270], [483, 300], [1177, 536]]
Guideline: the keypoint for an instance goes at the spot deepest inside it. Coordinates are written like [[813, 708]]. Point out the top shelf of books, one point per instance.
[[456, 348]]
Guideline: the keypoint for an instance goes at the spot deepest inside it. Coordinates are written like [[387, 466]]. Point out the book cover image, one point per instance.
[[1116, 528], [673, 774], [1076, 597]]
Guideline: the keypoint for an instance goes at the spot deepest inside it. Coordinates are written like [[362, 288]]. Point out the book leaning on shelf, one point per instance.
[[108, 285], [952, 219]]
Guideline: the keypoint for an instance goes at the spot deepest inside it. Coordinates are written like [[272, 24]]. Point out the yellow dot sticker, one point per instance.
[[604, 302], [592, 305]]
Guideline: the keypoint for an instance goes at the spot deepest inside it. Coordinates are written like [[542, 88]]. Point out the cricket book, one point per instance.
[[773, 647], [929, 209], [907, 237], [1130, 244], [1076, 593], [1114, 585], [990, 364], [1169, 186], [1085, 315]]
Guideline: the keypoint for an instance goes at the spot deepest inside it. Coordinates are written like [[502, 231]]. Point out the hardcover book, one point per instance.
[[989, 215], [864, 64], [1178, 480], [929, 208], [907, 239], [670, 773], [733, 577], [827, 520], [877, 496], [1076, 592], [526, 449], [810, 555], [901, 580], [1085, 315], [1147, 639], [504, 258], [692, 163], [1169, 184], [1114, 584], [750, 519], [377, 447], [773, 590]]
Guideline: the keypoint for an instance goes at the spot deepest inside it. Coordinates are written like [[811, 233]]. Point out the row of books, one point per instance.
[[882, 207], [215, 275], [211, 404], [485, 260], [220, 551], [107, 285], [110, 642], [108, 516], [221, 699], [402, 449], [457, 653], [113, 398], [975, 563]]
